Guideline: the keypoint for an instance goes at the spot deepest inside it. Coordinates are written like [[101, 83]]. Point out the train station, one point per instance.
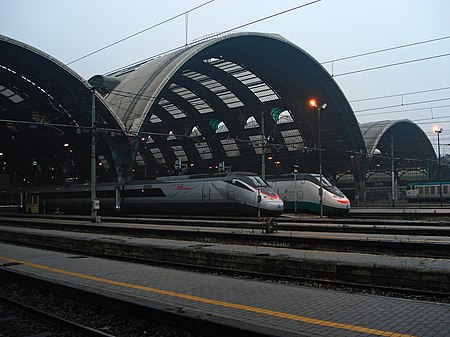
[[288, 176], [236, 102]]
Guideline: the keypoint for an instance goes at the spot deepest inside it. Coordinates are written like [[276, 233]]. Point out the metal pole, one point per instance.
[[295, 187], [392, 172], [439, 167], [320, 165], [259, 203], [263, 153], [94, 217]]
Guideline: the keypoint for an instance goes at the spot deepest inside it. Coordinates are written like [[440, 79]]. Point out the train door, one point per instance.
[[118, 198], [210, 191], [32, 203], [206, 191]]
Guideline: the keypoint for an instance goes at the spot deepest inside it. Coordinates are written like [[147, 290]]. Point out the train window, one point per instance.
[[240, 184], [445, 189], [420, 190], [325, 181], [146, 192], [427, 189], [432, 189], [257, 181]]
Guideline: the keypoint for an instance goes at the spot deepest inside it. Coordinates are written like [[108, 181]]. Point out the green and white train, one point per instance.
[[301, 193]]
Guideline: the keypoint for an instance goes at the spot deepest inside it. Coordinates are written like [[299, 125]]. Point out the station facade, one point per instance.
[[237, 101]]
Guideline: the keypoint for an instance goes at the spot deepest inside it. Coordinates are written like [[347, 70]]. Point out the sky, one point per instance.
[[411, 82]]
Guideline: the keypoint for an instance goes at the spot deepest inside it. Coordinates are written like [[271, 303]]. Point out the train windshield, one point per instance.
[[257, 181], [325, 181]]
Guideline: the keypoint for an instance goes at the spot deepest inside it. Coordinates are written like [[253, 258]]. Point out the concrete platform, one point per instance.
[[401, 271], [275, 309]]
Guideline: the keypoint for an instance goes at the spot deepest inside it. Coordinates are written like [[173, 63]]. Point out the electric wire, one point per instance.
[[390, 65], [386, 49], [139, 32], [134, 64], [397, 95]]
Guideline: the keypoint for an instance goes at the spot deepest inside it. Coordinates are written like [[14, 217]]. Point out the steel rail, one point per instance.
[[70, 325]]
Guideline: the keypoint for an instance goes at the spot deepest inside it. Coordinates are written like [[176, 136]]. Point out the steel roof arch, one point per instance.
[[292, 74], [376, 132], [55, 109]]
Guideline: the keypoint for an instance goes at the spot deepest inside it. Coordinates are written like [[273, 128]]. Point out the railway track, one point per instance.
[[285, 222], [158, 257], [401, 238], [30, 306], [20, 319]]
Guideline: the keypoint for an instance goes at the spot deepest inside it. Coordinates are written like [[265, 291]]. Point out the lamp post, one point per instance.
[[95, 204], [102, 84], [314, 104], [439, 131]]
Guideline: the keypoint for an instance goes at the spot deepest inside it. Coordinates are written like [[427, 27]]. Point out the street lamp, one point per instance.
[[314, 104], [95, 203], [439, 131]]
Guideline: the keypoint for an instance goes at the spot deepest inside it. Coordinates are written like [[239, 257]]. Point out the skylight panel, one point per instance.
[[228, 97], [156, 152], [231, 148], [256, 141], [293, 139], [285, 117], [261, 89], [197, 102], [204, 150], [11, 95], [251, 123], [171, 109], [179, 152], [155, 119], [139, 160]]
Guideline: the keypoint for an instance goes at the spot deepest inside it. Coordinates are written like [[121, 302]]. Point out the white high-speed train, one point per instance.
[[238, 193], [301, 194]]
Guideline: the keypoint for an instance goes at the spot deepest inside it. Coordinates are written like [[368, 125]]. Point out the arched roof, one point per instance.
[[44, 105], [408, 139], [207, 103]]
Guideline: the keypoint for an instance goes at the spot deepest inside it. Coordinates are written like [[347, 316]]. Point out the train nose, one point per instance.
[[344, 202], [275, 205]]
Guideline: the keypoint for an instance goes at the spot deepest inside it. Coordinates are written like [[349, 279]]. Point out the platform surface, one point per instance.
[[362, 259], [281, 310]]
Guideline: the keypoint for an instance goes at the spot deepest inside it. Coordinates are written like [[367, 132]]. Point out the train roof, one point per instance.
[[193, 176], [290, 176]]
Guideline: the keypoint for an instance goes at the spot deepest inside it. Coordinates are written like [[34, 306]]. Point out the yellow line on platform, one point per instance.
[[292, 317]]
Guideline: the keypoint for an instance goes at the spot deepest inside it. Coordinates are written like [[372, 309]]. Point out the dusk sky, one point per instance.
[[416, 78]]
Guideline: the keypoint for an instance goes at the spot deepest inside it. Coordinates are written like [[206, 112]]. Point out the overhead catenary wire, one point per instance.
[[386, 49], [390, 65], [398, 95]]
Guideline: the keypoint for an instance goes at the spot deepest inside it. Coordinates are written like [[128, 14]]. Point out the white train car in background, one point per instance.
[[301, 194], [428, 191]]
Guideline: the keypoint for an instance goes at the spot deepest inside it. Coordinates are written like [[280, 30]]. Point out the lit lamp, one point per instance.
[[439, 131], [314, 104]]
